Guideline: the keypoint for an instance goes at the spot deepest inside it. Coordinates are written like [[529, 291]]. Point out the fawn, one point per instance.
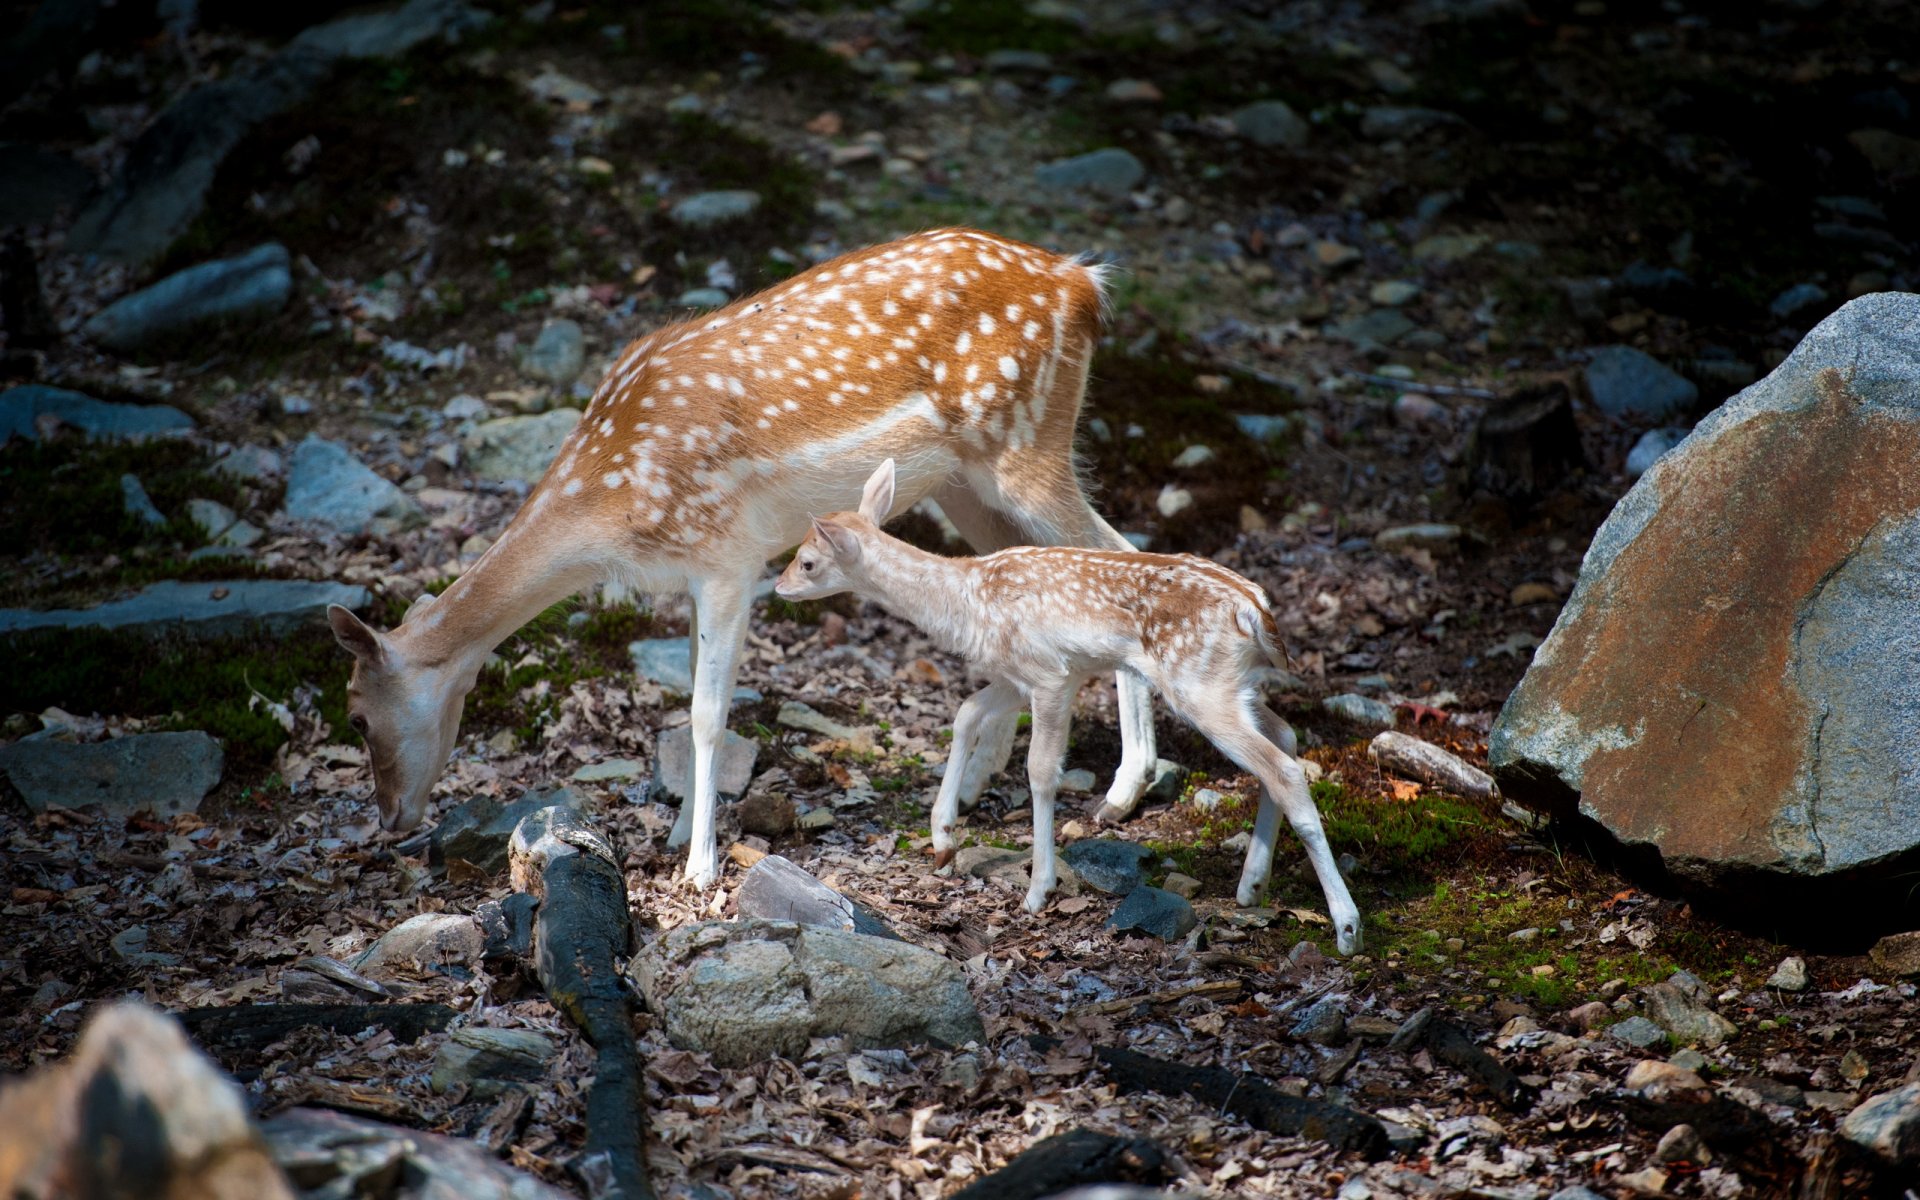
[[961, 354], [1037, 621]]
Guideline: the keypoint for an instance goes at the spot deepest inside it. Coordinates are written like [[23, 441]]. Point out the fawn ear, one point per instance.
[[839, 539], [355, 635], [877, 501]]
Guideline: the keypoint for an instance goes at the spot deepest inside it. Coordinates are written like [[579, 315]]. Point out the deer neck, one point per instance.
[[522, 575], [931, 591]]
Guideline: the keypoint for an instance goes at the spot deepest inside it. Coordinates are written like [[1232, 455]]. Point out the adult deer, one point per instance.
[[1038, 620], [960, 354]]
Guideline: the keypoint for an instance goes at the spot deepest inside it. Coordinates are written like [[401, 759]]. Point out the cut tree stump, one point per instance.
[[580, 936], [257, 1026], [1245, 1095], [1067, 1160]]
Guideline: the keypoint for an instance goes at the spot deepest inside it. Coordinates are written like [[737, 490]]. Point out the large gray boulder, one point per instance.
[[161, 773], [749, 990], [21, 409], [226, 291], [327, 485], [1110, 172], [218, 609], [1735, 681]]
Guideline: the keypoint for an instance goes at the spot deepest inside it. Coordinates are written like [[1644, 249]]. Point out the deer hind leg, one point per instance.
[[1052, 718], [990, 708], [1244, 730], [722, 627]]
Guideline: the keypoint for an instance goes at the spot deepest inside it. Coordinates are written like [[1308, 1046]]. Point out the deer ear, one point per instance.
[[840, 539], [353, 634], [877, 501]]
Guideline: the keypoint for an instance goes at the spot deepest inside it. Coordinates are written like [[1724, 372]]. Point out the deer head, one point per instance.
[[825, 562], [408, 711]]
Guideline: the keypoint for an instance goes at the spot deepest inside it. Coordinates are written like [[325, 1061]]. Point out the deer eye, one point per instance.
[[806, 565], [359, 722]]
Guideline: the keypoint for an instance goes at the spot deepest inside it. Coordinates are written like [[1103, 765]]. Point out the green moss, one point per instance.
[[523, 697], [1395, 836], [64, 497], [980, 26]]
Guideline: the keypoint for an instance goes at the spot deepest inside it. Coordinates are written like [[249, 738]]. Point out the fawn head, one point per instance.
[[825, 564], [408, 712]]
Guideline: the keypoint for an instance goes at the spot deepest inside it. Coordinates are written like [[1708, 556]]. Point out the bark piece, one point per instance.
[[1451, 1045], [1431, 765], [257, 1026], [580, 932], [1070, 1159]]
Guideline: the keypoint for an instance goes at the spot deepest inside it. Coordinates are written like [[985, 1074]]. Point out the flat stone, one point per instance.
[[1393, 292], [1184, 886], [477, 831], [1169, 779], [1154, 912], [558, 353], [1324, 1022], [1384, 121], [207, 609], [1790, 975], [1271, 123], [1691, 1022], [254, 464], [610, 770], [327, 485], [669, 663], [1791, 673], [1380, 327], [1172, 501], [748, 990], [704, 210], [485, 1060], [21, 410], [1651, 448], [1113, 866], [1191, 457], [213, 517], [777, 888], [1264, 427], [162, 773], [1418, 537], [1110, 172], [1638, 1032], [139, 505], [1897, 953], [425, 942], [225, 292], [518, 448], [1330, 255], [1134, 91], [1031, 61], [552, 86], [1797, 299], [795, 715], [673, 765], [1626, 382], [1077, 780], [1449, 247], [1888, 1124], [1361, 710], [703, 297]]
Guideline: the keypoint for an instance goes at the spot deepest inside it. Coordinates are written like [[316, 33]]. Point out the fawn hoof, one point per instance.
[[701, 876], [1347, 936], [943, 859]]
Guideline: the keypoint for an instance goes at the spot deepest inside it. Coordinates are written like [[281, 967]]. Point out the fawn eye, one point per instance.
[[359, 722], [806, 565]]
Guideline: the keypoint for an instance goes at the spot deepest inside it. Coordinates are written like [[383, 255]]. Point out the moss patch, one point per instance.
[[523, 696], [63, 497]]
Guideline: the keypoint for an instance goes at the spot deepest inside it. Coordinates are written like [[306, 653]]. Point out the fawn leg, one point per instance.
[[1052, 717], [721, 605], [992, 706]]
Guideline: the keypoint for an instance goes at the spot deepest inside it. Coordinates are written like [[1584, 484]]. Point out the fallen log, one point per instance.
[[1451, 1045], [580, 935], [257, 1026], [1243, 1094], [1071, 1159]]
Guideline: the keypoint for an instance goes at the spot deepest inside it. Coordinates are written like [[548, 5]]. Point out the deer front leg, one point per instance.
[[984, 712], [721, 628], [1052, 717]]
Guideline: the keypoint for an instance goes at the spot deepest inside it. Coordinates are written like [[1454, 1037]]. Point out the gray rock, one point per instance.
[[558, 353], [1077, 780], [1110, 172], [795, 715], [41, 183], [1626, 382], [1888, 1124], [1790, 975], [1032, 61], [255, 464], [327, 485], [669, 663], [1430, 536], [753, 989], [227, 291], [213, 517], [1748, 715], [1113, 866], [1323, 1022], [1380, 327], [486, 1060], [703, 210], [211, 609], [1361, 710], [610, 770], [1264, 427], [1393, 292], [22, 408], [1576, 1192], [1677, 1009], [478, 830], [1271, 123], [130, 946], [1154, 912], [778, 889], [518, 448], [1688, 1059], [1638, 1032], [1897, 953], [1651, 448], [425, 942], [703, 297], [1385, 121], [163, 181], [673, 765], [333, 1154], [139, 505], [162, 773], [1797, 299]]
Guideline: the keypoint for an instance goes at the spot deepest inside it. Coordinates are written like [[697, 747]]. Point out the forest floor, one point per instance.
[[1519, 183]]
